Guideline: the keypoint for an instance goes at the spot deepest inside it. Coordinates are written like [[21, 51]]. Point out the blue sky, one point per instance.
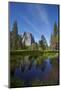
[[35, 18]]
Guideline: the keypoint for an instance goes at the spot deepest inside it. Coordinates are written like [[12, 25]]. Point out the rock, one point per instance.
[[27, 39]]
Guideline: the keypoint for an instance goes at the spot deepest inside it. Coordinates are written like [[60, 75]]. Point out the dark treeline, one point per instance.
[[54, 43], [17, 43]]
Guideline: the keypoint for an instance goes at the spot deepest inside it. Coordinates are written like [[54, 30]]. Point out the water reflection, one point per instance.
[[29, 70], [33, 70]]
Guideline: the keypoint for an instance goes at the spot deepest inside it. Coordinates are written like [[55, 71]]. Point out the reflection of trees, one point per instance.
[[39, 61]]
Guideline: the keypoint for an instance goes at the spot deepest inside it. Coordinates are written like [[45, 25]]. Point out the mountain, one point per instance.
[[27, 39]]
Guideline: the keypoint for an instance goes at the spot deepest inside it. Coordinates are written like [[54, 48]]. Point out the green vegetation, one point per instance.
[[16, 40], [54, 38], [14, 82], [43, 43], [33, 52], [36, 53]]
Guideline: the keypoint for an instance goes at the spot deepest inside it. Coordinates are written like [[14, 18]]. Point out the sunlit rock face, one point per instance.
[[28, 39]]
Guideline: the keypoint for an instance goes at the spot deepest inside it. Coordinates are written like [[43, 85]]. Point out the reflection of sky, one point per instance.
[[34, 72], [35, 18]]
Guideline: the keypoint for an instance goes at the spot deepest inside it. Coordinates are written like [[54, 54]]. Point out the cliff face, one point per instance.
[[18, 41], [27, 39]]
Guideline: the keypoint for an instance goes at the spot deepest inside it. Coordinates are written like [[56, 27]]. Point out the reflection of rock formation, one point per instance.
[[28, 39]]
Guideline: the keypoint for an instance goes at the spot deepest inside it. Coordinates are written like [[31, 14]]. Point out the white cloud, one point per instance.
[[43, 14], [31, 25]]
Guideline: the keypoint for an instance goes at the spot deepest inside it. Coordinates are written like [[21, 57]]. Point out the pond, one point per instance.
[[33, 71]]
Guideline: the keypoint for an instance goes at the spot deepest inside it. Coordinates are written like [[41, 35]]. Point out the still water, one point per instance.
[[30, 69]]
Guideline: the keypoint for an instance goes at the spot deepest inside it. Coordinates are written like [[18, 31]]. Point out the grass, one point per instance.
[[38, 55], [32, 52]]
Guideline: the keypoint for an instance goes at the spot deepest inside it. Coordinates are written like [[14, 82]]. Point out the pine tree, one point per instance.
[[15, 34], [43, 43], [55, 29], [54, 37]]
